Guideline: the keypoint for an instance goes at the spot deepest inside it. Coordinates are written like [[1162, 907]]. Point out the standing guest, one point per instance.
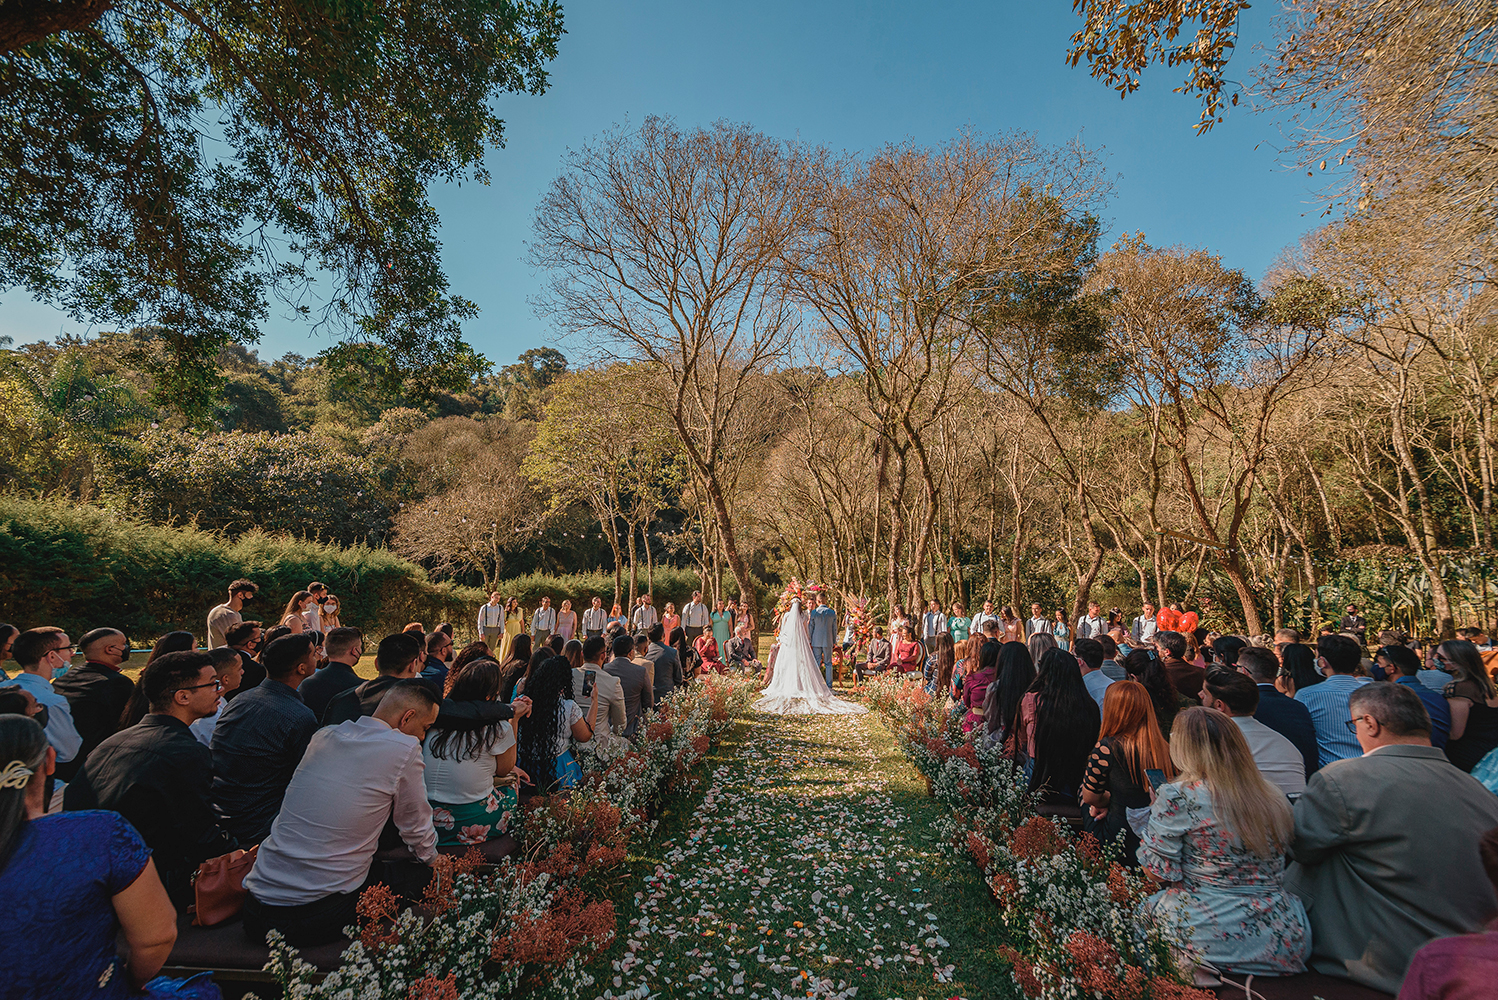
[[1283, 714], [76, 884], [1338, 658], [97, 692], [695, 617], [1013, 628], [1114, 788], [594, 619], [907, 652], [1037, 623], [312, 614], [470, 775], [821, 628], [1236, 695], [880, 651], [1060, 632], [328, 614], [260, 739], [1473, 703], [933, 623], [1112, 653], [1401, 665], [1463, 967], [1386, 844], [645, 617], [1143, 628], [1090, 655], [1354, 623], [1013, 675], [225, 615], [294, 616], [986, 615], [634, 683], [722, 622], [8, 635], [1148, 668], [666, 664], [1297, 669], [344, 647], [245, 639], [229, 671], [555, 720], [742, 655], [617, 616], [157, 776], [975, 686], [543, 622], [514, 626], [1184, 676], [40, 652], [612, 713], [491, 621], [958, 623], [439, 653], [567, 621], [1057, 728], [1092, 623], [1217, 836], [354, 778], [670, 620]]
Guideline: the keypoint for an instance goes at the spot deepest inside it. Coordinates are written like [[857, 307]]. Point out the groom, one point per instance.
[[822, 627]]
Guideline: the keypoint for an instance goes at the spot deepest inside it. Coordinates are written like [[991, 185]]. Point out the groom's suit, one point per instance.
[[822, 626]]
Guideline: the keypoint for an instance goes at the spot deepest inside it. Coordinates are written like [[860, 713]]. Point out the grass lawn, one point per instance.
[[804, 863]]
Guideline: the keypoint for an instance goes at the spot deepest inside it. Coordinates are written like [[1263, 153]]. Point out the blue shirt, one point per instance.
[[1435, 705], [1097, 685], [61, 732], [1327, 703]]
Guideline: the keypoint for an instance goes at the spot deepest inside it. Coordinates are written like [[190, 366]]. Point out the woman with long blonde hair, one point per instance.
[[1217, 836], [1114, 787]]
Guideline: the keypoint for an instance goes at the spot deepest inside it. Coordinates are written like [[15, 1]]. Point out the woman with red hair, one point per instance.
[[1129, 743]]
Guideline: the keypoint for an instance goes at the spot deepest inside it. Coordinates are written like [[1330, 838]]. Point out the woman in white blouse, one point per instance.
[[471, 778]]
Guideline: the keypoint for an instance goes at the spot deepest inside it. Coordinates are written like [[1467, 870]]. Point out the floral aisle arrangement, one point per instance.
[[493, 931], [1068, 905]]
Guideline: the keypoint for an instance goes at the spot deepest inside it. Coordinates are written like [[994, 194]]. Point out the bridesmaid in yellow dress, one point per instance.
[[514, 625]]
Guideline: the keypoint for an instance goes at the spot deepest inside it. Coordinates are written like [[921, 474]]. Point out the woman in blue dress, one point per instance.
[[70, 883], [1061, 632]]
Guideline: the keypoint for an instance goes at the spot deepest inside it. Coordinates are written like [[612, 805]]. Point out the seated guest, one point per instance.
[[1115, 647], [157, 776], [907, 653], [975, 685], [354, 777], [1298, 671], [1114, 788], [8, 635], [246, 639], [230, 670], [1337, 657], [1283, 714], [39, 652], [173, 642], [612, 715], [1473, 702], [515, 666], [75, 883], [260, 738], [880, 652], [1217, 836], [742, 655], [343, 647], [1013, 675], [707, 651], [397, 658], [677, 640], [439, 649], [97, 692], [1147, 667], [1057, 728], [1185, 677], [1235, 695], [470, 774], [1386, 844], [1463, 967], [1090, 654], [1401, 665], [555, 720], [634, 683], [642, 657], [667, 663]]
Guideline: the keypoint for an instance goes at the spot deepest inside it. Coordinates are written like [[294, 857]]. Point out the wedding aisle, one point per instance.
[[806, 865]]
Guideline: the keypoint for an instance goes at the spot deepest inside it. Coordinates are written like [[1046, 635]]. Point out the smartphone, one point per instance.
[[1155, 777], [588, 676]]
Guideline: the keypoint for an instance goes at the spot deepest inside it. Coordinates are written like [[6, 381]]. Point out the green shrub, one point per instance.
[[671, 584], [81, 567]]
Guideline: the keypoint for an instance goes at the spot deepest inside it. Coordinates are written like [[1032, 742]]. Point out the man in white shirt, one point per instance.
[[225, 616], [695, 617], [313, 615], [491, 622], [594, 619], [1092, 624], [986, 615], [543, 622], [933, 624], [40, 652], [645, 615], [354, 776], [1037, 623], [1143, 628], [1235, 694], [610, 716]]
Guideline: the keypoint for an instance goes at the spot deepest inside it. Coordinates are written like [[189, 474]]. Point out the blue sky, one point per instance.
[[851, 75]]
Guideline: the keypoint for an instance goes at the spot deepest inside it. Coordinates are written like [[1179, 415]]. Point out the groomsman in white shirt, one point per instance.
[[544, 621], [986, 615], [933, 624], [1143, 628], [594, 619], [1092, 624], [645, 616], [491, 622], [1037, 623], [695, 617]]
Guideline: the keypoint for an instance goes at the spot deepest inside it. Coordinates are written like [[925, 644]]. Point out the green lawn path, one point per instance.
[[804, 863]]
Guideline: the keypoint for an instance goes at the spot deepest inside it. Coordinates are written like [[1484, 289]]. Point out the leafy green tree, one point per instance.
[[180, 162]]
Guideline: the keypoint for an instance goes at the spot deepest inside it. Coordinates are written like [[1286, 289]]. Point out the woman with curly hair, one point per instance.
[[470, 774], [555, 720]]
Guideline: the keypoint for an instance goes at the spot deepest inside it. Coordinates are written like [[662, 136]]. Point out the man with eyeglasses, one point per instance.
[[158, 776], [40, 653], [97, 692], [439, 655]]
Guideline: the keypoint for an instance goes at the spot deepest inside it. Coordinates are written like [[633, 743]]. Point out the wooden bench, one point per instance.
[[1306, 986]]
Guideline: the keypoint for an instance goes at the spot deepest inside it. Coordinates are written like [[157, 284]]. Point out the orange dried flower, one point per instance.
[[376, 909], [432, 988], [1037, 837]]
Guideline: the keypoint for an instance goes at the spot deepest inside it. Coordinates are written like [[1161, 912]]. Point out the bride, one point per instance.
[[796, 685]]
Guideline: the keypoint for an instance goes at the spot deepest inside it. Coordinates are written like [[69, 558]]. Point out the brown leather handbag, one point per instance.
[[218, 887]]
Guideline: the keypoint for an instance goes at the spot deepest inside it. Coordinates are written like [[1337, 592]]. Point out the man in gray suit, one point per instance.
[[667, 664], [821, 625], [1386, 845]]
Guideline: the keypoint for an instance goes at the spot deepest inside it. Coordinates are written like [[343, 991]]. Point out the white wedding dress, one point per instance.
[[797, 687]]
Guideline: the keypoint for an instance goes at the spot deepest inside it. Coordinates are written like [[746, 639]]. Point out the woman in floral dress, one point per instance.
[[471, 777], [1217, 836]]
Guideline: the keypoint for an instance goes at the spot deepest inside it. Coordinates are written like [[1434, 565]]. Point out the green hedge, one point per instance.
[[81, 567], [671, 584]]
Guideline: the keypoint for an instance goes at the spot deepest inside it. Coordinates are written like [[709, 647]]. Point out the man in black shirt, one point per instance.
[[244, 638], [259, 740], [157, 775], [344, 647], [399, 657], [439, 655], [97, 693]]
